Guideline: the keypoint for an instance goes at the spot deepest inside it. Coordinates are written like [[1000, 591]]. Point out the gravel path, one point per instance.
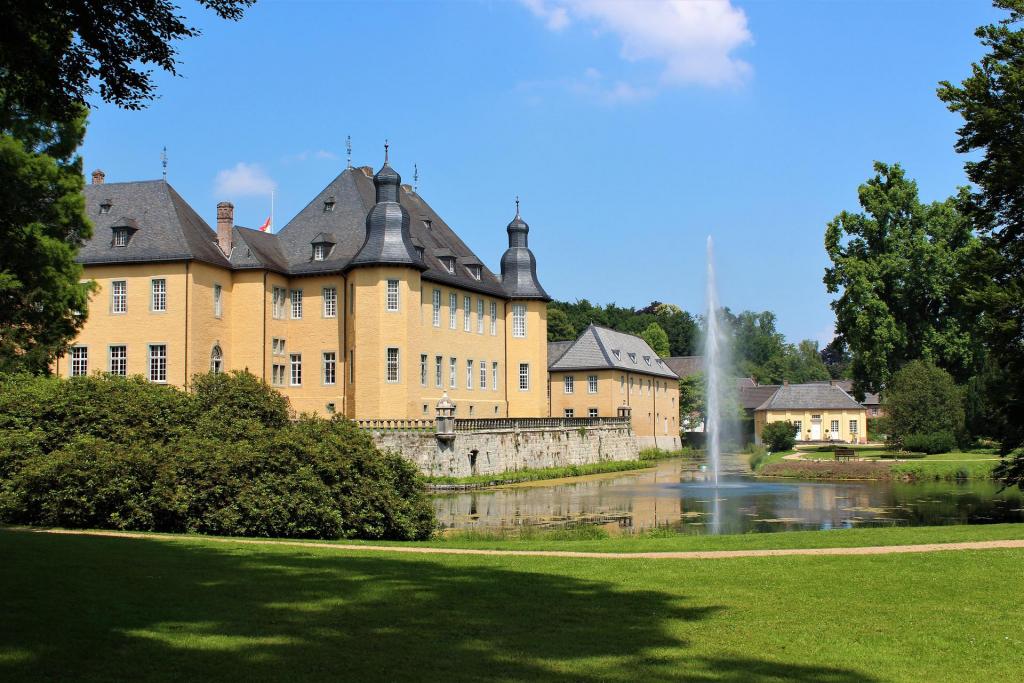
[[680, 555]]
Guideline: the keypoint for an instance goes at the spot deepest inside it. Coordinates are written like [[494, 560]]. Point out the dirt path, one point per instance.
[[680, 555]]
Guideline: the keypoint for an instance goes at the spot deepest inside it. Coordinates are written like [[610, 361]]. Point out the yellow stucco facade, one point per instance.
[[847, 425], [333, 342], [653, 400]]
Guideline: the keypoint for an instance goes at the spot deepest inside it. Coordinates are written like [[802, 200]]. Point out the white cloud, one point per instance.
[[324, 154], [244, 180], [692, 39]]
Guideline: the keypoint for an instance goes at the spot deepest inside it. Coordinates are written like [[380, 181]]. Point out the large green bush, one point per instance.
[[779, 436], [217, 462], [923, 399], [936, 442]]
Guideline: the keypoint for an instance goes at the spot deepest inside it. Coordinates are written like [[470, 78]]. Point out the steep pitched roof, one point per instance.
[[847, 386], [685, 366], [556, 349], [753, 395], [166, 227], [599, 348], [255, 249], [804, 396]]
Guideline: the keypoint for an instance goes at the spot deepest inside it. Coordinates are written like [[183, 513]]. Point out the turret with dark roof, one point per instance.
[[518, 265], [388, 240]]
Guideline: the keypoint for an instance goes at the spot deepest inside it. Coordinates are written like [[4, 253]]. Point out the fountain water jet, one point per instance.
[[713, 370]]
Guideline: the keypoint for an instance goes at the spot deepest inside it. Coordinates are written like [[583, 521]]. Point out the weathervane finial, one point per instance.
[[163, 161], [348, 149], [517, 205], [415, 177], [385, 150]]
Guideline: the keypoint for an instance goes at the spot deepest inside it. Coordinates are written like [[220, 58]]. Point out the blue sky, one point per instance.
[[630, 131]]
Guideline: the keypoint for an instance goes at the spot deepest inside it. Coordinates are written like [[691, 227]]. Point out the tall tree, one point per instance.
[[560, 328], [836, 358], [896, 266], [656, 339], [42, 303], [991, 102]]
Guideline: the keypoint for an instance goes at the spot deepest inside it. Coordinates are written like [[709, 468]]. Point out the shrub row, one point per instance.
[[115, 453]]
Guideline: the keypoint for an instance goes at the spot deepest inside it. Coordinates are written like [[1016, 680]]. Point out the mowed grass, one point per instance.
[[93, 608]]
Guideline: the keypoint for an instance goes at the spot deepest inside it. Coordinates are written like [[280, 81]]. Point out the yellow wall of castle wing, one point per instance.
[[654, 401], [532, 349]]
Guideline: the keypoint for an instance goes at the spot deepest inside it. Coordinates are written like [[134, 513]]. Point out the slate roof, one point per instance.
[[847, 386], [556, 349], [804, 396], [170, 230], [685, 366], [601, 348], [753, 395]]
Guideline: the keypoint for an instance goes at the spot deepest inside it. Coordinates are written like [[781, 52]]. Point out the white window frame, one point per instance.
[[479, 316], [569, 413], [278, 297], [120, 234], [592, 384], [295, 298], [435, 300], [524, 377], [79, 365], [494, 375], [853, 426], [467, 313], [330, 368], [392, 365], [569, 383], [119, 297], [218, 300], [158, 295], [423, 369], [592, 412], [439, 371], [453, 372], [216, 359], [319, 252], [278, 371], [391, 300], [494, 318], [117, 365], [295, 369], [519, 320], [482, 367], [330, 297], [157, 363], [834, 424], [469, 374], [453, 310]]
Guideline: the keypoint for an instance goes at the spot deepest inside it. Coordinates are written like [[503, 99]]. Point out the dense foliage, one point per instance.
[[921, 402], [567, 320], [760, 351], [894, 266], [991, 102], [779, 436], [657, 339], [109, 452]]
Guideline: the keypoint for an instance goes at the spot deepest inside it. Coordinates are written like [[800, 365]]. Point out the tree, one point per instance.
[[836, 358], [692, 403], [779, 436], [54, 55], [896, 267], [923, 399], [560, 328], [803, 363], [991, 102], [42, 224], [656, 339]]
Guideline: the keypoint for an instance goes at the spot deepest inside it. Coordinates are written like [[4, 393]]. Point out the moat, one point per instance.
[[678, 495]]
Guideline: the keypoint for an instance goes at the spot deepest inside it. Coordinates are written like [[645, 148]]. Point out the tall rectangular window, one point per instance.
[[296, 363], [438, 369], [853, 426], [351, 366], [835, 427], [277, 374], [423, 369], [119, 296], [351, 298], [494, 375], [569, 380], [391, 369], [435, 300], [524, 377], [453, 310], [119, 360], [479, 316], [218, 301], [592, 384], [330, 367], [469, 374], [483, 374], [330, 295], [158, 297], [278, 299], [453, 372], [392, 295], [296, 298], [494, 318], [467, 312], [157, 362], [518, 320], [79, 361]]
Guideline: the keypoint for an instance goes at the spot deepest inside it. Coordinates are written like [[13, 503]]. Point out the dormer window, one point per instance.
[[427, 223], [647, 359], [120, 237], [122, 231], [319, 252], [322, 245], [474, 271], [328, 208], [105, 206], [617, 354], [449, 264], [632, 357], [419, 252]]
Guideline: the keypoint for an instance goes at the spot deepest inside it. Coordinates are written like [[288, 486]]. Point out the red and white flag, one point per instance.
[[266, 225]]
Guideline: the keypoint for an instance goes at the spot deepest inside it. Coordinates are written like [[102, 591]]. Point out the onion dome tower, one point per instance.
[[518, 265], [388, 240]]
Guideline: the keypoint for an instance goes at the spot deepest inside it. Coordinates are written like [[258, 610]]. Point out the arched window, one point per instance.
[[216, 360]]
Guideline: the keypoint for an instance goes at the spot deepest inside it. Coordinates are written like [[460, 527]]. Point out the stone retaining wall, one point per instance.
[[494, 451]]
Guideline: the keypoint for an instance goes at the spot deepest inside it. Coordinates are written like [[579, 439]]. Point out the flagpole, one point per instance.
[[273, 225]]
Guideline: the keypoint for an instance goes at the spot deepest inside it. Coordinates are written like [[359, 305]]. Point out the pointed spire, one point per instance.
[[348, 149], [415, 177], [517, 206], [385, 151], [163, 161]]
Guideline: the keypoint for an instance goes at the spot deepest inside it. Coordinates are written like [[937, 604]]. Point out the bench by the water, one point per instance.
[[845, 454]]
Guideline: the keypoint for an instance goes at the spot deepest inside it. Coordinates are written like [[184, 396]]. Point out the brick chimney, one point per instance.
[[833, 382], [785, 382], [98, 176], [225, 224]]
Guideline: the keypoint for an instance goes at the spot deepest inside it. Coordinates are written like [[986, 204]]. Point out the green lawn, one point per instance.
[[91, 608]]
